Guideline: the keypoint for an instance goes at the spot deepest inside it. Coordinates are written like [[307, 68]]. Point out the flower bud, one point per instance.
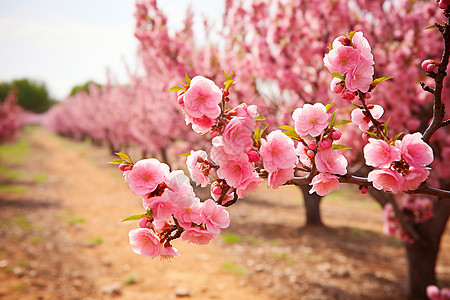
[[368, 96], [363, 190], [312, 145], [431, 67], [365, 137], [310, 153], [425, 64], [336, 135], [347, 95], [253, 156], [326, 144], [125, 167], [443, 4]]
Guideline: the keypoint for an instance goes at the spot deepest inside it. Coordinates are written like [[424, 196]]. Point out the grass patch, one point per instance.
[[13, 189], [37, 239], [70, 218], [14, 153], [130, 280], [233, 268], [21, 287], [97, 240], [22, 222], [231, 238], [40, 178], [356, 231], [23, 263], [283, 256]]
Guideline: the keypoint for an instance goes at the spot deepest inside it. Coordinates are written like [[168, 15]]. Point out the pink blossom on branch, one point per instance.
[[310, 119], [278, 151], [324, 183], [378, 153], [386, 179], [330, 161], [146, 175], [197, 236], [214, 216], [195, 162], [416, 152], [145, 242]]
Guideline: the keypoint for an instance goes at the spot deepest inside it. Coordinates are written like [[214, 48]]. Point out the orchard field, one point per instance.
[[61, 238]]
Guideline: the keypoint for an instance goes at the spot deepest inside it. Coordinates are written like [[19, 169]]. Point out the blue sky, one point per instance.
[[65, 43]]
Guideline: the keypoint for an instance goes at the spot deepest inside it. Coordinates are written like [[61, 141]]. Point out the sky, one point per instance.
[[64, 43]]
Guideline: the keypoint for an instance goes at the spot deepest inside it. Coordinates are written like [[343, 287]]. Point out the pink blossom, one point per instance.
[[323, 184], [386, 179], [190, 214], [347, 95], [200, 125], [145, 242], [280, 177], [414, 178], [179, 190], [168, 252], [161, 206], [310, 119], [364, 123], [236, 171], [341, 59], [249, 185], [335, 86], [197, 235], [253, 156], [146, 175], [360, 77], [416, 152], [194, 167], [220, 157], [202, 98], [361, 44], [214, 216], [378, 153], [237, 137], [216, 192], [278, 151], [330, 161], [302, 152]]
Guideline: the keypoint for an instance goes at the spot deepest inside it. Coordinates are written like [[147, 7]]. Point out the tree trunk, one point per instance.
[[422, 255], [312, 206]]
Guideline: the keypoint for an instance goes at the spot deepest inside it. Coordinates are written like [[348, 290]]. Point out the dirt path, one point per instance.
[[84, 252], [61, 239]]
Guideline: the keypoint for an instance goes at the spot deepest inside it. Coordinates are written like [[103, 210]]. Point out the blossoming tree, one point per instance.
[[307, 153], [10, 117]]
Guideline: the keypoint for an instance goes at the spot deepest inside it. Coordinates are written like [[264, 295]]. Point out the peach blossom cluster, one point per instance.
[[433, 292], [399, 167], [351, 60], [172, 208]]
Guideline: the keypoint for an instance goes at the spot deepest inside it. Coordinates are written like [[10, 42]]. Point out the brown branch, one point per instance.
[[426, 88], [406, 226], [438, 107], [375, 122], [362, 181]]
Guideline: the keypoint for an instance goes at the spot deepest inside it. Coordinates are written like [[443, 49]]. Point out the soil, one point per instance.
[[61, 238]]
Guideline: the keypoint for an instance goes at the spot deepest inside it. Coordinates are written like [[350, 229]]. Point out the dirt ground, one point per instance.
[[61, 238]]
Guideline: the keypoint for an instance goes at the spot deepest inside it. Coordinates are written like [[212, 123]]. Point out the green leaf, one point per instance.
[[332, 120], [386, 125], [342, 122], [397, 136], [265, 127], [328, 106], [431, 26], [330, 47], [185, 154], [228, 83], [150, 213], [351, 34], [337, 75], [287, 127], [133, 218], [381, 79], [116, 161], [371, 134], [228, 76], [188, 80], [176, 89], [292, 135], [356, 105], [339, 146], [124, 156], [260, 118]]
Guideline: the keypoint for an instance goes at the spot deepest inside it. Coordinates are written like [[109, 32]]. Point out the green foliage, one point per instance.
[[233, 268], [12, 189], [231, 238], [14, 153], [97, 240], [130, 280], [32, 95], [83, 88]]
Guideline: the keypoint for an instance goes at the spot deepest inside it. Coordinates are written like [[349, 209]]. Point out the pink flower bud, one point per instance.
[[326, 144], [363, 190], [431, 67], [214, 134], [338, 89], [368, 96], [125, 167], [217, 190], [347, 95], [443, 4], [253, 156], [336, 135], [425, 64], [312, 145], [310, 153], [365, 137]]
